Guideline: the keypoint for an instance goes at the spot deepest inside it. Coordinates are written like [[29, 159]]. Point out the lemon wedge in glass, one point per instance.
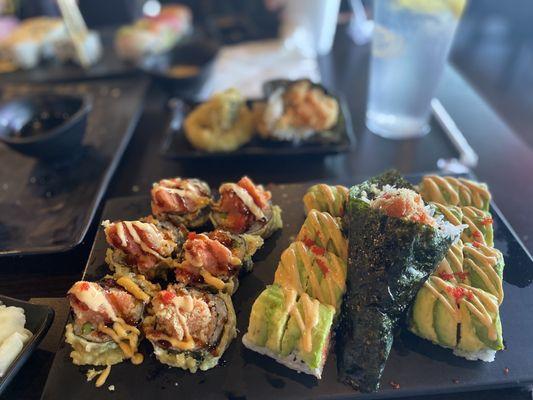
[[456, 7]]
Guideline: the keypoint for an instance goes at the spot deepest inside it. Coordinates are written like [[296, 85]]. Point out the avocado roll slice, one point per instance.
[[323, 230], [451, 267], [312, 270], [326, 198], [244, 207], [395, 244], [190, 328], [455, 191], [483, 267], [294, 331], [215, 259], [106, 318], [452, 214], [478, 226], [480, 334], [147, 246], [181, 201]]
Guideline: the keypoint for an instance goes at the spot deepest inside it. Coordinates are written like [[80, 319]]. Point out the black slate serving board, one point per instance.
[[419, 367], [47, 208]]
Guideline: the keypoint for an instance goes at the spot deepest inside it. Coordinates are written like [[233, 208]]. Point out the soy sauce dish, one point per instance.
[[184, 68], [45, 126]]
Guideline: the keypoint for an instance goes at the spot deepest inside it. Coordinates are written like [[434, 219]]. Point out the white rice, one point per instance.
[[486, 355]]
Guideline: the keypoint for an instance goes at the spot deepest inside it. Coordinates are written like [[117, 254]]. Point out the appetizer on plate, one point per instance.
[[294, 330], [106, 318], [181, 201], [189, 328], [221, 124], [215, 259], [295, 111], [312, 270], [330, 199], [13, 335], [323, 230], [153, 35], [395, 244], [147, 246], [245, 207]]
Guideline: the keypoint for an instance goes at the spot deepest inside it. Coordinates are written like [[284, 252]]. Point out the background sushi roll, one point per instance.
[[312, 270], [294, 331], [215, 259], [190, 328], [478, 226], [147, 246], [244, 207], [106, 317], [326, 198], [181, 201], [448, 190], [323, 230]]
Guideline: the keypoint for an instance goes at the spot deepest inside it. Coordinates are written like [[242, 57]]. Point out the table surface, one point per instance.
[[505, 163]]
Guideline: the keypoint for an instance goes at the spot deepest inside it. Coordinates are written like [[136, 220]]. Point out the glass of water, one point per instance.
[[410, 44]]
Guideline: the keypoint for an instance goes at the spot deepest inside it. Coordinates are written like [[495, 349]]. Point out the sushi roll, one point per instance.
[[189, 328], [459, 317], [323, 230], [244, 207], [478, 226], [65, 49], [144, 38], [221, 124], [395, 244], [451, 267], [177, 17], [483, 267], [295, 111], [448, 190], [181, 201], [293, 331], [326, 198], [106, 317], [215, 259], [312, 270], [147, 247]]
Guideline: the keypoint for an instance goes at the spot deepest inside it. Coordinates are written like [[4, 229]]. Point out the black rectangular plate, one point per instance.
[[48, 208], [109, 66], [418, 366], [38, 321], [176, 146]]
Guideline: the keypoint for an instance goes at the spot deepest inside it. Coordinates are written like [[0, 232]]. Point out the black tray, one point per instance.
[[38, 321], [48, 208], [419, 367], [109, 66], [176, 146]]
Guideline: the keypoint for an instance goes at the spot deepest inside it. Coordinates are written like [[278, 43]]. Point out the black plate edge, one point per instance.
[[34, 341], [243, 152], [112, 166]]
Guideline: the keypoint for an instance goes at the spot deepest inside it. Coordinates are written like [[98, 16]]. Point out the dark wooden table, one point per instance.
[[506, 163]]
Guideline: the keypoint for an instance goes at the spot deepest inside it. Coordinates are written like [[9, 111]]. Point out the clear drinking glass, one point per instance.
[[410, 45]]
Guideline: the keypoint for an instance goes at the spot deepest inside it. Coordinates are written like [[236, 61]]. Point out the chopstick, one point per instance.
[[76, 28]]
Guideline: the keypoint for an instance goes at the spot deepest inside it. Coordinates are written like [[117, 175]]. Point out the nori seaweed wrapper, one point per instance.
[[389, 259]]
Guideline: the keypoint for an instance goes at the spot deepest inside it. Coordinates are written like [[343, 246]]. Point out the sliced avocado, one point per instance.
[[445, 325], [422, 315], [268, 318], [468, 338]]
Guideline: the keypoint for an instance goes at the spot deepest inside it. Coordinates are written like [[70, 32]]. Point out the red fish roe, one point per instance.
[[319, 251], [459, 293], [167, 297], [445, 276], [84, 286], [308, 242], [323, 266], [462, 275], [191, 235], [476, 244], [487, 221]]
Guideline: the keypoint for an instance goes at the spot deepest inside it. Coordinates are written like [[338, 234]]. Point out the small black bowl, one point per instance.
[[46, 126], [199, 53]]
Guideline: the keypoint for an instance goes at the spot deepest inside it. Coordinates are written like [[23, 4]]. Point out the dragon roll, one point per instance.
[[461, 192], [181, 201], [215, 259], [294, 330], [245, 207], [395, 244], [323, 230], [189, 328], [326, 198], [147, 246], [312, 270], [106, 319]]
